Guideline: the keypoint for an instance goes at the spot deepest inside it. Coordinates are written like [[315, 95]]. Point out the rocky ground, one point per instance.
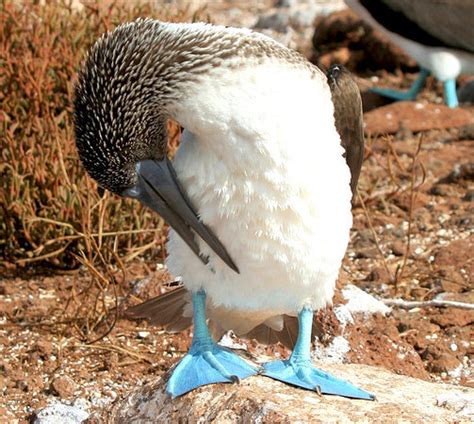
[[412, 239]]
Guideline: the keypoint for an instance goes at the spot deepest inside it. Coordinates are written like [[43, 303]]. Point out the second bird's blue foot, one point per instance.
[[201, 366], [394, 94], [304, 374], [404, 95]]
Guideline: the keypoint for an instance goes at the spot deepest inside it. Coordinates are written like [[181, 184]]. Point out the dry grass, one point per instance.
[[52, 216], [50, 211]]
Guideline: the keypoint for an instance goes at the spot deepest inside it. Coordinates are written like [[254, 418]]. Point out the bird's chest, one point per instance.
[[263, 208]]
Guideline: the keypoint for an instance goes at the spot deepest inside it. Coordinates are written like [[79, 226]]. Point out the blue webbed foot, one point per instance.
[[206, 362], [213, 364], [394, 94], [404, 95], [305, 375], [299, 371]]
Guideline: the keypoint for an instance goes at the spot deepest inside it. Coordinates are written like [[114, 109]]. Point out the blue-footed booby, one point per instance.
[[438, 34], [260, 170]]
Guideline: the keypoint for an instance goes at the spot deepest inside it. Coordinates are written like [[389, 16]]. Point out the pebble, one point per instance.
[[469, 196], [286, 3], [276, 21], [64, 386], [143, 334], [59, 413]]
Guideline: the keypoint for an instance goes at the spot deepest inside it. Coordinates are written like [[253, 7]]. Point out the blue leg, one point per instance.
[[405, 95], [450, 96], [206, 361], [299, 371]]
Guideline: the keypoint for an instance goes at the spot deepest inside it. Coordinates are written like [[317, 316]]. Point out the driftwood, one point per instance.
[[410, 304]]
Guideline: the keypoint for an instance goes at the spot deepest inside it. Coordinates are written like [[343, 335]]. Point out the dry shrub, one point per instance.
[[50, 211]]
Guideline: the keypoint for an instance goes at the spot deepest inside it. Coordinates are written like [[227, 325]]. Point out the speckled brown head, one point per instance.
[[128, 79]]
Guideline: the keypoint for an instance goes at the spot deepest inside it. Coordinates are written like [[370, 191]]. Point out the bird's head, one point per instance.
[[120, 124], [118, 116]]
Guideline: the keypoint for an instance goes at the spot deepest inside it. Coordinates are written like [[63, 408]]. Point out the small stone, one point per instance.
[[64, 386], [303, 18], [277, 21], [22, 385], [439, 190], [444, 363], [44, 347], [6, 289], [398, 248], [464, 171], [285, 3], [466, 132], [466, 93], [469, 196], [143, 334], [60, 413]]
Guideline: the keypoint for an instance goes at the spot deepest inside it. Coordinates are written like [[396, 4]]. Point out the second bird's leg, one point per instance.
[[206, 361], [405, 95], [450, 95], [299, 371]]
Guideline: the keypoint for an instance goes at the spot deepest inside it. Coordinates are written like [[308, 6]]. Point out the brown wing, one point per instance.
[[451, 21], [165, 311], [287, 336], [349, 118], [435, 23]]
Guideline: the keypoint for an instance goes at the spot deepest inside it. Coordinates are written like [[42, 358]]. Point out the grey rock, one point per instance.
[[59, 413], [286, 3], [260, 399], [466, 93], [278, 21]]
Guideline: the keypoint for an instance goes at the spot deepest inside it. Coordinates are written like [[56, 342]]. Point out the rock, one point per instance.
[[461, 171], [466, 93], [414, 116], [278, 21], [444, 363], [469, 196], [359, 329], [452, 318], [143, 334], [59, 413], [398, 248], [63, 386], [466, 132], [44, 347], [260, 399], [455, 258], [6, 289], [286, 3], [462, 403]]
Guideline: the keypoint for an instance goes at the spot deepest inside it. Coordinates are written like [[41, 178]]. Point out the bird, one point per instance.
[[438, 34], [258, 195]]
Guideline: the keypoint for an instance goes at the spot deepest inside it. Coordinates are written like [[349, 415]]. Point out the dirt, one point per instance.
[[421, 193]]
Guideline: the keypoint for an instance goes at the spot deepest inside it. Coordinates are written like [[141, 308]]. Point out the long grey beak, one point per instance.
[[159, 189]]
